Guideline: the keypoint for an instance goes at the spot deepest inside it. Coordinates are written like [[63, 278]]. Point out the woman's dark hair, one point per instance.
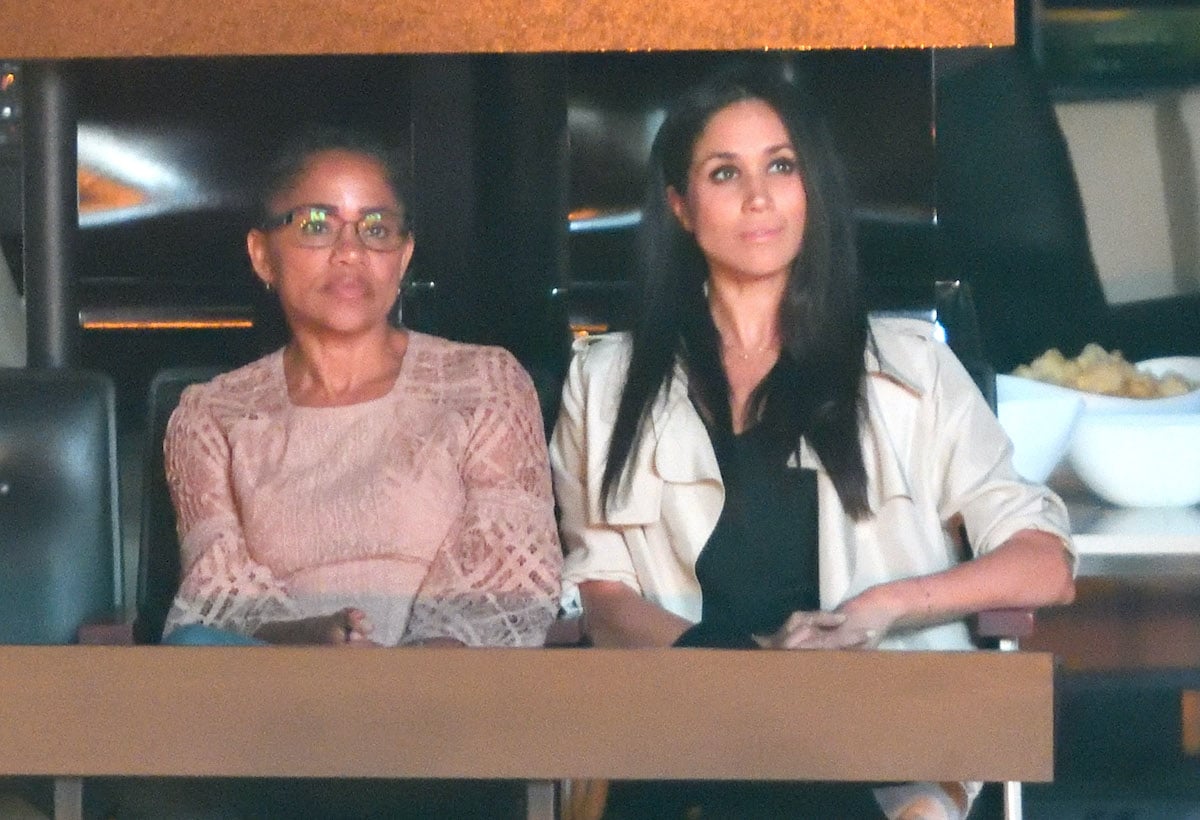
[[294, 154], [815, 389]]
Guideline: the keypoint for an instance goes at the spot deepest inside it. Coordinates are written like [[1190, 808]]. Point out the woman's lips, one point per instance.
[[761, 234], [347, 288]]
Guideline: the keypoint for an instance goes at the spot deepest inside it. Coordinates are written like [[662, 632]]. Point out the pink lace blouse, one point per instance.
[[429, 508]]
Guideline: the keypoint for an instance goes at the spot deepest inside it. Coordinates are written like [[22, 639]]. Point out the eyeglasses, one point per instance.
[[311, 226]]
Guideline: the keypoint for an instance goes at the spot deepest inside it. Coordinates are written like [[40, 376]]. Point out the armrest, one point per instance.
[[1004, 623], [566, 632]]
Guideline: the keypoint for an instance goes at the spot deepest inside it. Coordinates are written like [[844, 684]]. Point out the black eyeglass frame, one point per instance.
[[273, 223]]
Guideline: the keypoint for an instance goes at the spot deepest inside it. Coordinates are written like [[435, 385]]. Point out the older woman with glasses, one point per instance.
[[365, 484]]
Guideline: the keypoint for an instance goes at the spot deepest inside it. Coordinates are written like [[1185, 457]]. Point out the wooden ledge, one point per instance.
[[526, 714], [166, 28]]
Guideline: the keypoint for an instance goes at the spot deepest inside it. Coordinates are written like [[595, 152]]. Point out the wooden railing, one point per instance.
[[72, 712], [159, 28]]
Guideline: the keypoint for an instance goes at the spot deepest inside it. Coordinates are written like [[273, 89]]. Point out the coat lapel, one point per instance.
[[675, 449]]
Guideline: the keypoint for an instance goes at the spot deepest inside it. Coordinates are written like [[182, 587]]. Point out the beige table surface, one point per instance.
[[528, 714], [1129, 541]]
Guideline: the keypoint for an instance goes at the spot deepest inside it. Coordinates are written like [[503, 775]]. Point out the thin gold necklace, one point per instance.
[[745, 355]]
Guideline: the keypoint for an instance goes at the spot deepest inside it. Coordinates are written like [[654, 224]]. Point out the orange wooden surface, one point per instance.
[[135, 28], [528, 714]]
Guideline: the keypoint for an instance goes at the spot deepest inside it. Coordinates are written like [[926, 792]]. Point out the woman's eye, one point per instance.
[[313, 227], [381, 226], [782, 165], [723, 173]]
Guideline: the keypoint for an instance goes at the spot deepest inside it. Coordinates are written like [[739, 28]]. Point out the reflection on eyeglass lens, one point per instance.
[[312, 227]]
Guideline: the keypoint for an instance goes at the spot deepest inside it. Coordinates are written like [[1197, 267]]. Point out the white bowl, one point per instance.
[[1040, 429], [1186, 366], [1139, 460], [1013, 387]]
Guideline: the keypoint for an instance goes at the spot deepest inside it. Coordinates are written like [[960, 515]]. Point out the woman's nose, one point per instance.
[[758, 195], [348, 240]]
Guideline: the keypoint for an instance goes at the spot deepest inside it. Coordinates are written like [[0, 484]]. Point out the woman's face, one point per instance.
[[343, 288], [745, 202]]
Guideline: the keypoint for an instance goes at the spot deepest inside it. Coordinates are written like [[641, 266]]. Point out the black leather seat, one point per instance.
[[158, 565], [60, 545]]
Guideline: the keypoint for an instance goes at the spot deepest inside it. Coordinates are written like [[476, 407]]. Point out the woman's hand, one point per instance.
[[346, 627], [873, 613], [816, 630], [1031, 569]]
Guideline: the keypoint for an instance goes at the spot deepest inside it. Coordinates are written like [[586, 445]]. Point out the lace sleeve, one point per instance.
[[221, 585], [497, 582]]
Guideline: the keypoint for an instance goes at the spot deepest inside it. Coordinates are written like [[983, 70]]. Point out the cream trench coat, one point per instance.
[[932, 448]]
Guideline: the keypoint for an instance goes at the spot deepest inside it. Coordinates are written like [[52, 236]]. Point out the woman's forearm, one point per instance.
[[1030, 570], [617, 616]]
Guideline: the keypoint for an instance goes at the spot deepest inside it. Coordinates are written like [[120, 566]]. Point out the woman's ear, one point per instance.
[[260, 257], [679, 207]]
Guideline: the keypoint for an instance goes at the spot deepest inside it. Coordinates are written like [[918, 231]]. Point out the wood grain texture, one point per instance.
[[527, 714], [159, 28]]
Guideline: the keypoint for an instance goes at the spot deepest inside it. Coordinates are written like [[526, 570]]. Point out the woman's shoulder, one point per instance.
[[903, 331], [254, 387], [602, 355], [903, 348], [464, 370]]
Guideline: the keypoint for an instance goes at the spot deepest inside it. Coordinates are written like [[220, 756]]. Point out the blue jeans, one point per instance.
[[201, 635]]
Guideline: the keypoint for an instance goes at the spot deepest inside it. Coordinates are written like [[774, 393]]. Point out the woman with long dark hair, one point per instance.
[[757, 464]]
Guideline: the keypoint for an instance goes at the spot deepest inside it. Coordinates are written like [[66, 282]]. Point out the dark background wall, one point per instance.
[[958, 167], [504, 150]]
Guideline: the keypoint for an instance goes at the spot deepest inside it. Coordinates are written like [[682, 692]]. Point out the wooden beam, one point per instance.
[[162, 28], [525, 714]]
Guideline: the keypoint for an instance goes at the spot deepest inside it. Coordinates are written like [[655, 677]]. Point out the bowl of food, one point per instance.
[[1139, 459], [1107, 383], [1040, 428]]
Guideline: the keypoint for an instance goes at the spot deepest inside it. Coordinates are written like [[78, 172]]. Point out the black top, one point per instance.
[[760, 563]]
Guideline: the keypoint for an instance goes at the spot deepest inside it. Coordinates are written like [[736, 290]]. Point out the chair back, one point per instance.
[[956, 313], [12, 320], [60, 545], [949, 306], [158, 564]]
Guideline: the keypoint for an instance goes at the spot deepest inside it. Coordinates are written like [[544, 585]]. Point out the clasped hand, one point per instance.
[[346, 627], [856, 624]]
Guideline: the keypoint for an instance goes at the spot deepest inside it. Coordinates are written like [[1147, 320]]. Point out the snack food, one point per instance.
[[1096, 370]]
